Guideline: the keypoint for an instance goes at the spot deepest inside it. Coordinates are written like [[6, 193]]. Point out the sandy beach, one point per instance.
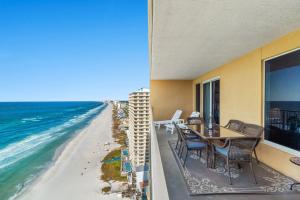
[[75, 175]]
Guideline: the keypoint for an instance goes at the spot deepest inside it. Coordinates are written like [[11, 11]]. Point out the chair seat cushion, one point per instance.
[[195, 144], [223, 151], [235, 153]]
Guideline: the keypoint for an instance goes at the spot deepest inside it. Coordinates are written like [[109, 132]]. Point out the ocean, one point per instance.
[[31, 133], [284, 105]]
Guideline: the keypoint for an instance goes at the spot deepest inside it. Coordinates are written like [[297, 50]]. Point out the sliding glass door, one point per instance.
[[211, 101], [206, 102]]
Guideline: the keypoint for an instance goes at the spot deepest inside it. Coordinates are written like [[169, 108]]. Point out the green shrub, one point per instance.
[[106, 189], [112, 170]]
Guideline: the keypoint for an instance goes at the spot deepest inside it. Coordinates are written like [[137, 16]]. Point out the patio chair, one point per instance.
[[235, 125], [188, 134], [237, 150], [253, 130], [189, 144], [175, 118]]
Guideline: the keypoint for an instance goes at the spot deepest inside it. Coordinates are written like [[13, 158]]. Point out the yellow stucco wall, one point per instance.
[[240, 87], [169, 95], [241, 95]]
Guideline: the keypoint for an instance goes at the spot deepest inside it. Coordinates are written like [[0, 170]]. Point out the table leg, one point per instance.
[[211, 154]]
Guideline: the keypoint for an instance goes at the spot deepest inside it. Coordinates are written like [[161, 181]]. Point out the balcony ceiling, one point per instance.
[[190, 37]]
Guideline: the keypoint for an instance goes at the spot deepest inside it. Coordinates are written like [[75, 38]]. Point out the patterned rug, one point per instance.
[[201, 180]]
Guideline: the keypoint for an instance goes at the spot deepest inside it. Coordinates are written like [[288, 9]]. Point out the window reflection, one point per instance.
[[282, 100]]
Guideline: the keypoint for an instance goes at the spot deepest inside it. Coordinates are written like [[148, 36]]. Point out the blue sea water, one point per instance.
[[31, 133], [284, 105]]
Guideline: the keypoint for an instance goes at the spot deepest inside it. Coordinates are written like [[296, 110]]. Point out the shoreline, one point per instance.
[[77, 164], [35, 179]]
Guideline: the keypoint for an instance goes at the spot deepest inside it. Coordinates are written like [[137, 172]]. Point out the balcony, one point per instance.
[[176, 185], [227, 60]]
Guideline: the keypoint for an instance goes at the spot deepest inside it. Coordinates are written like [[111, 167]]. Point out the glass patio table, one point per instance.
[[216, 135]]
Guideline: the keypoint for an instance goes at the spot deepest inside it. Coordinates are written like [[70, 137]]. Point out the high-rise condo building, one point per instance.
[[139, 126]]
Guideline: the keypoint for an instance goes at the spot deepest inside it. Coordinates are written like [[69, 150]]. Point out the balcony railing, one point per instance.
[[284, 119], [158, 184]]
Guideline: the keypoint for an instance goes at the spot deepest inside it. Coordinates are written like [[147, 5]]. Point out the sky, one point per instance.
[[61, 50], [283, 84]]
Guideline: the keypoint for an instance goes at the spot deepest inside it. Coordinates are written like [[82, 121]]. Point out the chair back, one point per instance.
[[180, 133], [176, 115], [182, 130], [177, 130], [252, 130], [244, 142], [235, 125], [242, 148]]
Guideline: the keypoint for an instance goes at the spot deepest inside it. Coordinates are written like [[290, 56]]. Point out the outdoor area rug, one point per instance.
[[201, 180]]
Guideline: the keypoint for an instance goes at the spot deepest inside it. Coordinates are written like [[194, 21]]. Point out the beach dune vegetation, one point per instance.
[[121, 139], [111, 167], [106, 189]]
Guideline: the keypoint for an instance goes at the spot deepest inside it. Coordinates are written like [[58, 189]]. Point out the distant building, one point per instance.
[[139, 126], [142, 181]]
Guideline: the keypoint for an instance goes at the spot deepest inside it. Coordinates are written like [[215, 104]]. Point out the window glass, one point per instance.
[[282, 100]]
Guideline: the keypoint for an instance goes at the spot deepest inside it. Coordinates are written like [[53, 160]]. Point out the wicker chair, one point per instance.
[[189, 142], [187, 133], [235, 125], [237, 150], [253, 130]]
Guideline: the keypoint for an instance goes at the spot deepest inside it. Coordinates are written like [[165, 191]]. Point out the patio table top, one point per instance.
[[216, 133]]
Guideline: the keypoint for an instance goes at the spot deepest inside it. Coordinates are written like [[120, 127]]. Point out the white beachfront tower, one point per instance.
[[139, 126]]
